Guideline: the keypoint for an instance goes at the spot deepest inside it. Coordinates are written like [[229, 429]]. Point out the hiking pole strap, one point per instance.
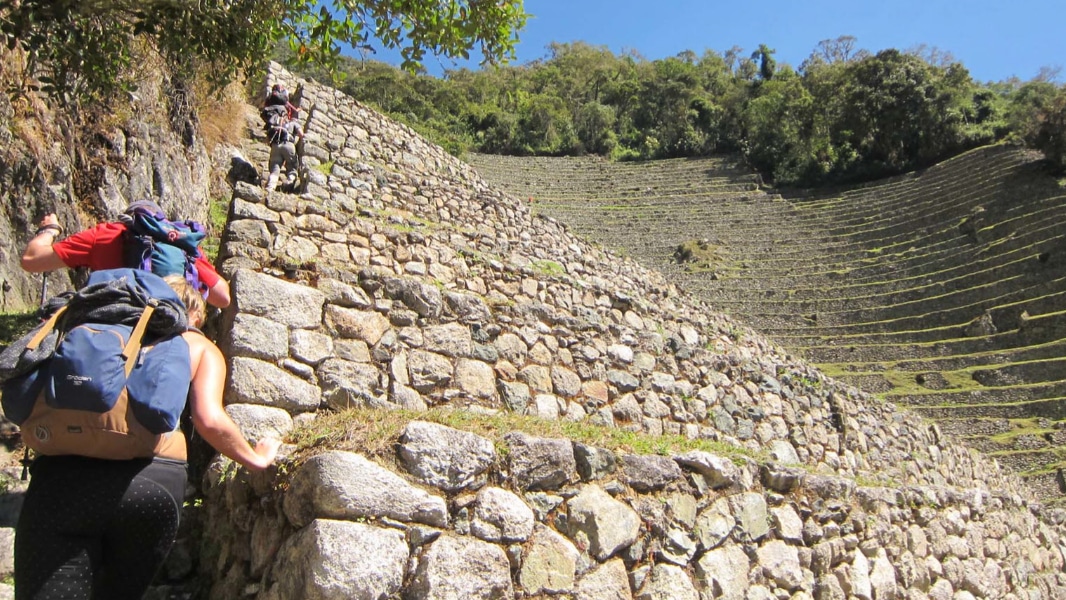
[[133, 347], [49, 325]]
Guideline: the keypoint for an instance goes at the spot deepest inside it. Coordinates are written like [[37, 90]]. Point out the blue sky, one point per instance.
[[993, 39]]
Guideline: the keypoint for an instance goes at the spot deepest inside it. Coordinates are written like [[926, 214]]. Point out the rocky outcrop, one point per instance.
[[86, 175], [399, 279]]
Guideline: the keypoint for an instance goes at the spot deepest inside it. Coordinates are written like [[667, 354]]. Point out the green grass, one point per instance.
[[16, 324], [376, 432], [548, 268], [217, 215], [1019, 427], [325, 168]]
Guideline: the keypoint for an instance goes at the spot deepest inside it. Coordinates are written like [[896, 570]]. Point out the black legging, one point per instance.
[[95, 529]]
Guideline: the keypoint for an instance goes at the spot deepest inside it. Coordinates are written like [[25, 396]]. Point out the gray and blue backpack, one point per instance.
[[107, 374]]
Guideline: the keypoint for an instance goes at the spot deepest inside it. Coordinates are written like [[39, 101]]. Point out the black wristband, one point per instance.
[[50, 227]]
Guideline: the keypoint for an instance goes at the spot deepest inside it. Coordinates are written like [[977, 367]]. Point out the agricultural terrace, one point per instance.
[[942, 290]]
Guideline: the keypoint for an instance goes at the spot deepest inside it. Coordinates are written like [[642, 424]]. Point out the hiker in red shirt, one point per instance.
[[102, 247]]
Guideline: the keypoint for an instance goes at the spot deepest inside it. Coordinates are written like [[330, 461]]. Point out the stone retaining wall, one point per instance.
[[399, 279]]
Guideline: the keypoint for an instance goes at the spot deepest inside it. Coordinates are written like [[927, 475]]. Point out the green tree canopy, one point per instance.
[[85, 48], [846, 115]]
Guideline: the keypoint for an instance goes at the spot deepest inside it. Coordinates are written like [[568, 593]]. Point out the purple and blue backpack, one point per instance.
[[164, 247]]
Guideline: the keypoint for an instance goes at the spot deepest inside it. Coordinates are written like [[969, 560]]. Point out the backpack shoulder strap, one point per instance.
[[133, 346], [49, 325]]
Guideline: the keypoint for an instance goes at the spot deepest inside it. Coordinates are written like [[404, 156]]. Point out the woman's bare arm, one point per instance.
[[208, 415]]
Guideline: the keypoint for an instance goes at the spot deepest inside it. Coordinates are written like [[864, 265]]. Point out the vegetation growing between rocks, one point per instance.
[[375, 433], [217, 215]]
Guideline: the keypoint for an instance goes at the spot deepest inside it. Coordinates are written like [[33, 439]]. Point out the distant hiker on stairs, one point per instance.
[[283, 140], [283, 132]]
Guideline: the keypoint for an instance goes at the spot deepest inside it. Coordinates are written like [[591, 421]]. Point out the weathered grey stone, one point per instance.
[[242, 209], [258, 422], [681, 508], [422, 298], [608, 581], [290, 304], [565, 382], [781, 564], [941, 590], [781, 479], [340, 293], [606, 524], [353, 350], [501, 516], [256, 382], [830, 488], [750, 511], [715, 523], [467, 308], [828, 588], [455, 567], [661, 382], [337, 560], [667, 582], [678, 547], [515, 396], [258, 337], [783, 452], [268, 533], [247, 191], [253, 233], [475, 378], [717, 471], [620, 353], [650, 472], [296, 249], [298, 368], [723, 573], [592, 462], [787, 523], [540, 463], [538, 377], [451, 339], [347, 384], [365, 325], [622, 380], [860, 578], [883, 577], [547, 406], [484, 352], [7, 551], [344, 485], [310, 347], [511, 347], [428, 371], [549, 563], [443, 457], [407, 398], [627, 409]]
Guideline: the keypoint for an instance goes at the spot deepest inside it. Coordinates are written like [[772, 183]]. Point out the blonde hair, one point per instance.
[[194, 302]]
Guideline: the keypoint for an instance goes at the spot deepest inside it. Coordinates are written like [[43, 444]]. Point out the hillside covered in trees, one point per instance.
[[845, 114]]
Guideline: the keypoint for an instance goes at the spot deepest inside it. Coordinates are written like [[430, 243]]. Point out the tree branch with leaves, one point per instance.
[[77, 50]]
